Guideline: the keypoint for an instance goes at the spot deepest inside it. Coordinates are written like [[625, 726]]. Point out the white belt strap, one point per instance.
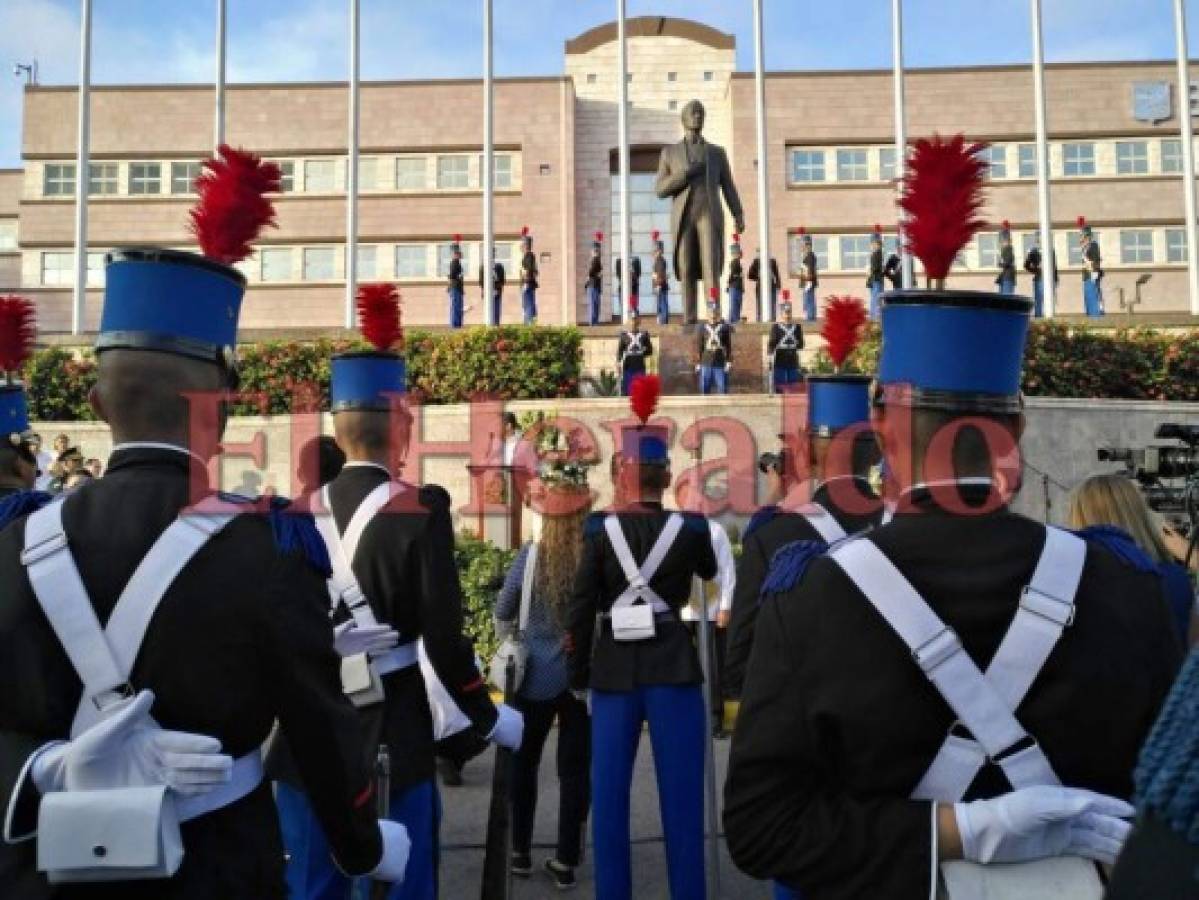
[[938, 651], [396, 658], [246, 774], [343, 586], [823, 522], [635, 347], [713, 338], [639, 579], [788, 340]]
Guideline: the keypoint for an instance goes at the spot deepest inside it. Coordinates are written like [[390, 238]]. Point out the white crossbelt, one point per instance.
[[713, 337], [823, 522], [788, 340], [985, 704], [635, 347], [104, 657], [638, 588]]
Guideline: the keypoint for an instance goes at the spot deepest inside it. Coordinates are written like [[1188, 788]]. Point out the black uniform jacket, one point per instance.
[[755, 272], [661, 279], [456, 274], [405, 566], [1095, 259], [736, 275], [498, 277], [769, 530], [241, 639], [1007, 265], [595, 273], [633, 362], [721, 355], [528, 270], [784, 359], [811, 277], [875, 275], [838, 724], [635, 281], [594, 658]]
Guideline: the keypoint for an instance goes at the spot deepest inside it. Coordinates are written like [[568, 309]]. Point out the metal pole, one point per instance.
[[81, 164], [488, 255], [1048, 265], [351, 260], [218, 136], [901, 134], [765, 271], [622, 149], [1187, 134]]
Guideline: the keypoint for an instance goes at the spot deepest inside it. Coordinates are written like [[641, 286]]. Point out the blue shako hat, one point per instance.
[[598, 241], [955, 350], [365, 380], [640, 441], [837, 401], [14, 412], [735, 247]]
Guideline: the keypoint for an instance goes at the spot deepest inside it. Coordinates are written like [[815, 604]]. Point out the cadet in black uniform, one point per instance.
[[848, 776], [1006, 279], [239, 642], [595, 280], [528, 278], [395, 544], [809, 278], [631, 352], [18, 460], [874, 276], [633, 294], [1034, 266], [1092, 270], [776, 283], [715, 350], [893, 271], [456, 284], [661, 280], [498, 279], [630, 649], [736, 284], [783, 346]]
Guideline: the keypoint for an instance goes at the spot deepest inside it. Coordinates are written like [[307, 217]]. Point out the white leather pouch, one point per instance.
[[633, 623], [1056, 878], [360, 682], [125, 834]]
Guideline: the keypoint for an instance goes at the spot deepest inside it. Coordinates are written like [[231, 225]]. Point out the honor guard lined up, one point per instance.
[[1006, 279], [736, 282], [160, 631], [528, 278], [874, 275], [456, 283], [631, 651], [1092, 270], [631, 352], [595, 280], [783, 346], [394, 583], [498, 279], [661, 280], [715, 350], [809, 279]]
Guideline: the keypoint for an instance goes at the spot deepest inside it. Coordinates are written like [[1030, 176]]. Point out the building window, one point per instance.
[[320, 176], [796, 252], [453, 172], [1172, 157], [276, 263], [996, 159], [1132, 158], [183, 177], [368, 173], [1136, 246], [411, 173], [1078, 159], [807, 166], [287, 175], [852, 165], [318, 264], [855, 252], [145, 178], [411, 261], [58, 269], [102, 178], [8, 234], [672, 76], [672, 105], [886, 163], [368, 262], [709, 76], [58, 180], [1176, 245], [1028, 160], [988, 251], [501, 176], [95, 270], [591, 78]]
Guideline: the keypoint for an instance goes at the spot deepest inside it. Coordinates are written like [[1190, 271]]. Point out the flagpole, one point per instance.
[[1048, 266], [622, 140], [488, 255], [765, 271], [351, 256], [82, 179], [901, 135], [1187, 134], [218, 135]]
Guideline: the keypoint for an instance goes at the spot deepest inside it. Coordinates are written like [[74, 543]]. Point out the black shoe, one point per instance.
[[522, 865], [451, 775], [563, 875]]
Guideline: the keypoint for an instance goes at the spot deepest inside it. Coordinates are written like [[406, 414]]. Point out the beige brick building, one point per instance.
[[830, 160]]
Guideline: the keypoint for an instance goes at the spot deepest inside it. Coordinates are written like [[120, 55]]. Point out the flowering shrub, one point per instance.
[[57, 384], [481, 570]]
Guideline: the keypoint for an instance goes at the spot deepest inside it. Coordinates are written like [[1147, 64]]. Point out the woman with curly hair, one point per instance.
[[544, 693]]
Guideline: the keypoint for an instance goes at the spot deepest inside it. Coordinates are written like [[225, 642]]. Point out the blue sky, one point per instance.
[[140, 41]]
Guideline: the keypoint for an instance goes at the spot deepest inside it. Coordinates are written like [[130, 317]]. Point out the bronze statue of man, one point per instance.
[[694, 173]]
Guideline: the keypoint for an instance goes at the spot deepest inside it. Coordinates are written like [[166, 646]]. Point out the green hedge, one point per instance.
[[1067, 361], [481, 567], [511, 362]]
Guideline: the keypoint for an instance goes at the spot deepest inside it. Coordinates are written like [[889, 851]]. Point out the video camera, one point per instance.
[[1168, 474]]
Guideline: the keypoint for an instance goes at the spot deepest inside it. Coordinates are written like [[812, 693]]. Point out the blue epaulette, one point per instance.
[[594, 523], [1167, 773], [295, 533], [788, 565], [1121, 545], [760, 518], [14, 506]]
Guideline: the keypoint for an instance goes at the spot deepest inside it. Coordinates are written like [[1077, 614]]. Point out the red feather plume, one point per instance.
[[942, 196], [786, 294], [736, 238], [655, 235], [1082, 220], [599, 236], [379, 315], [643, 396], [17, 332], [233, 208], [844, 318], [802, 231], [1007, 226], [457, 239], [524, 231]]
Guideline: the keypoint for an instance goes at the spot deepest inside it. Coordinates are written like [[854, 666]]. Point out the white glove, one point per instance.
[[697, 368], [583, 696], [396, 847], [350, 640], [727, 366], [130, 749], [1036, 822], [509, 727]]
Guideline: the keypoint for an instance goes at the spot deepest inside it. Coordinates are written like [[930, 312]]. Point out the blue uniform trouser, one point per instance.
[[784, 375], [1092, 297], [1007, 286], [663, 305], [528, 302], [782, 892], [456, 301], [1038, 298], [593, 305], [626, 380], [736, 295], [311, 874], [713, 380], [678, 731], [496, 303], [809, 304], [876, 291]]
